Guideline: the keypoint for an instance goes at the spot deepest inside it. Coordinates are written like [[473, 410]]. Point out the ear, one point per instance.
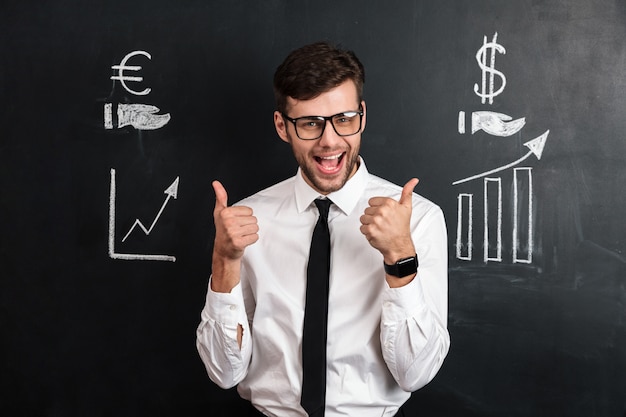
[[281, 127], [364, 115]]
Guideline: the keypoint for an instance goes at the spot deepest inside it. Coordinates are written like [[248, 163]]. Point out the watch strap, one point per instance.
[[404, 267]]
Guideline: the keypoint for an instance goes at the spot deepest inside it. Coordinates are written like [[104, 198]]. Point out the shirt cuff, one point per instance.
[[403, 302], [226, 308]]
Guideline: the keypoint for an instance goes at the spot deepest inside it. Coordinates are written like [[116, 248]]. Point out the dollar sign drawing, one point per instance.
[[481, 58]]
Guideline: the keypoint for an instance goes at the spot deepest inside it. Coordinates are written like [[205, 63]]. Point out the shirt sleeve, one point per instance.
[[414, 334], [216, 337]]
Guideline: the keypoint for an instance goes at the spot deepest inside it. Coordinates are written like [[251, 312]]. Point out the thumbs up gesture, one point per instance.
[[386, 224], [235, 229]]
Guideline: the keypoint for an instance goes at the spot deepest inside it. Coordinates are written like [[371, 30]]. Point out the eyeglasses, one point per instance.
[[347, 123]]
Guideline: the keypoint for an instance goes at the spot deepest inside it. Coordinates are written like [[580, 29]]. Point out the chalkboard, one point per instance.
[[116, 116]]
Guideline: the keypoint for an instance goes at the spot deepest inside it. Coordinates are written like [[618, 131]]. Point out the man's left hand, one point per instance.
[[386, 224]]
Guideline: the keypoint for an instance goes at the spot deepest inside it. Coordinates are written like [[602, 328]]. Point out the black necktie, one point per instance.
[[315, 317]]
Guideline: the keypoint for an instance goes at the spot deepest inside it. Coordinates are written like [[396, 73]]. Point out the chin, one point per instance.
[[327, 186]]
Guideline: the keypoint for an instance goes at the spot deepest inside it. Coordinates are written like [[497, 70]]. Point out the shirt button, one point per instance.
[[233, 307]]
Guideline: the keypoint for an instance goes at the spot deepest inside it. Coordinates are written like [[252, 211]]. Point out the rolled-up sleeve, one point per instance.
[[216, 337]]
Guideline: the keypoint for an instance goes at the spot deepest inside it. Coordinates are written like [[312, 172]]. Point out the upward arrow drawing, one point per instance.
[[172, 192], [536, 148]]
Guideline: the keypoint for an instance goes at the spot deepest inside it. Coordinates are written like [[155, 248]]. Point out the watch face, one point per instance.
[[407, 266]]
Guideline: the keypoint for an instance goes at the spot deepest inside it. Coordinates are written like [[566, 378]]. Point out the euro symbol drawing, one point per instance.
[[123, 78], [487, 91]]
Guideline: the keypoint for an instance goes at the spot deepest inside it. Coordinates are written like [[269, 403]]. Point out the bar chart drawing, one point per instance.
[[522, 237], [522, 210]]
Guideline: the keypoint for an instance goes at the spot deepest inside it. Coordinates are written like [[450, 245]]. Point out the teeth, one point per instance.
[[331, 157]]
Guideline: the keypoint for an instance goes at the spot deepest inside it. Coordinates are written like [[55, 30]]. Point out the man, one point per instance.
[[385, 322]]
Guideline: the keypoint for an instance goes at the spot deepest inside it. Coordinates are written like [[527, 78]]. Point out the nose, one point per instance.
[[329, 136]]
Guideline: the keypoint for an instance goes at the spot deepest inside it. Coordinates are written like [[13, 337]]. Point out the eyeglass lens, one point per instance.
[[345, 124]]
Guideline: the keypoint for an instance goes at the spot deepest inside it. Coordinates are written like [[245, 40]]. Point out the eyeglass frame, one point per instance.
[[360, 112]]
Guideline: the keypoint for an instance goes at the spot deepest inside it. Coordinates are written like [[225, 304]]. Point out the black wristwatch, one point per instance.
[[404, 267]]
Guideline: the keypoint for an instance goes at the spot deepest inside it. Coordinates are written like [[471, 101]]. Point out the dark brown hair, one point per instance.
[[314, 69]]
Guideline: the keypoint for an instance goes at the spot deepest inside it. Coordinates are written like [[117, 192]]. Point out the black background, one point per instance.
[[86, 335]]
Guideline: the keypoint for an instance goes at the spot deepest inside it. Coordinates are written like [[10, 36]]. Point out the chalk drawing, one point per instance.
[[498, 232], [517, 180], [140, 116], [536, 148], [466, 244], [501, 125], [495, 124], [461, 121], [108, 116], [171, 191], [481, 58], [123, 78]]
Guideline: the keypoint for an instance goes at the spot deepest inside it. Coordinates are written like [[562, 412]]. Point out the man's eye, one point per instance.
[[344, 119], [309, 124]]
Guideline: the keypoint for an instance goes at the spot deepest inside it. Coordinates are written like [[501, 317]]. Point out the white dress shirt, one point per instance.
[[383, 342]]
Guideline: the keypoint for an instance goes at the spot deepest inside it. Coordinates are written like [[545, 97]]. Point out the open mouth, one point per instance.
[[330, 164]]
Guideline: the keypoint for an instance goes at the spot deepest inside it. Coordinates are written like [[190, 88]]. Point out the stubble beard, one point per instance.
[[322, 185]]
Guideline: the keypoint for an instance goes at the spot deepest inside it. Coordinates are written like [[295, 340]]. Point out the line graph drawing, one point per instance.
[[536, 148], [171, 191]]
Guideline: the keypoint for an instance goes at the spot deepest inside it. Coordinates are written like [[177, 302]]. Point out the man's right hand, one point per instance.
[[235, 229]]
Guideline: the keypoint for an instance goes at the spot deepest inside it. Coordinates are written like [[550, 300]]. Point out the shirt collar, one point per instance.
[[346, 198]]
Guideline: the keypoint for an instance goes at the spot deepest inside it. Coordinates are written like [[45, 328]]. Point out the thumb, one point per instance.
[[406, 198], [221, 197]]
